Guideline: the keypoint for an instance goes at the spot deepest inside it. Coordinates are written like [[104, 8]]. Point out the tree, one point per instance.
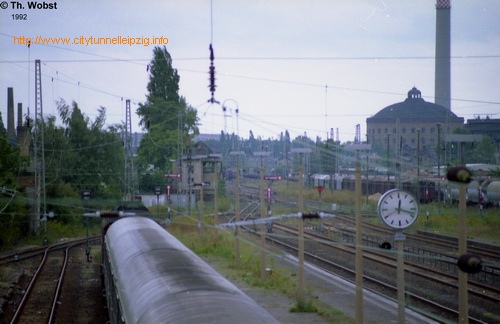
[[13, 212], [164, 114], [484, 151], [84, 154]]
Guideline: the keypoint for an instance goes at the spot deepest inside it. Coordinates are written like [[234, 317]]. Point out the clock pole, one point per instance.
[[398, 209], [399, 238]]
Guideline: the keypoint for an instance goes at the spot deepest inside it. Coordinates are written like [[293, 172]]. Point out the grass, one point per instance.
[[219, 246], [444, 220]]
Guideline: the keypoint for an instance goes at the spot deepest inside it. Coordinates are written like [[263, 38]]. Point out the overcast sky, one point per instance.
[[301, 66]]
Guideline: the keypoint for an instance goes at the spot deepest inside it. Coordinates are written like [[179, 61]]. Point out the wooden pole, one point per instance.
[[359, 249], [216, 209], [300, 295], [237, 207], [262, 228], [463, 299], [400, 276]]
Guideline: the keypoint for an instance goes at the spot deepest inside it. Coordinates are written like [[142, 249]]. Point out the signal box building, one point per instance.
[[200, 170]]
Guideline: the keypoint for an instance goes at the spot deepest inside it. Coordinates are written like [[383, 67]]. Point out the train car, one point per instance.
[[321, 180], [476, 192], [150, 277], [493, 192]]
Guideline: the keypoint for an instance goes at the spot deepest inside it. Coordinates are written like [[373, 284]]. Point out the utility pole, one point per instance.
[[388, 155], [39, 130], [301, 284], [216, 210], [359, 234], [418, 164], [129, 161], [439, 167], [463, 297], [189, 171], [262, 216], [237, 205]]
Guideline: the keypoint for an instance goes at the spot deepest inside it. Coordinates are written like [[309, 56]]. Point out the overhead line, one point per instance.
[[257, 58]]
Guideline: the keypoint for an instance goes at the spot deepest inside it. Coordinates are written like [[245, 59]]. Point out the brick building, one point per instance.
[[404, 126]]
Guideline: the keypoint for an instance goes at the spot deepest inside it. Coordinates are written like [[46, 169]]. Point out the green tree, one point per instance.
[[484, 151], [164, 114], [84, 154], [14, 213]]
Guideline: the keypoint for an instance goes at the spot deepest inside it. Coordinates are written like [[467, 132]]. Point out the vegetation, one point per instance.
[[80, 154], [166, 117], [218, 247], [13, 210]]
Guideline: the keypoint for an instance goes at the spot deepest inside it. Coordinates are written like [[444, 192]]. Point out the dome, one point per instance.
[[414, 109]]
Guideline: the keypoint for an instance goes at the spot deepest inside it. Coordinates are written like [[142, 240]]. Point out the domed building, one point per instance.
[[403, 127]]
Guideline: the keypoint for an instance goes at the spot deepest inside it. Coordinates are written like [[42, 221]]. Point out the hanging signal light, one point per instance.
[[212, 85]]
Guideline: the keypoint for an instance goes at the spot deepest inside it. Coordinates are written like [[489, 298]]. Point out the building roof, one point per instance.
[[415, 109]]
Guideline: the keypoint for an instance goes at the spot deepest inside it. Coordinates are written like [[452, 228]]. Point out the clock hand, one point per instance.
[[392, 213], [399, 206]]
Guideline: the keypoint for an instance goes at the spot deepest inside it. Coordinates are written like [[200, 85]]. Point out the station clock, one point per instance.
[[398, 209]]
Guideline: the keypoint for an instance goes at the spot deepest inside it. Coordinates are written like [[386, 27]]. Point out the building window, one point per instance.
[[403, 130], [208, 167], [413, 130], [394, 130], [386, 130], [378, 130]]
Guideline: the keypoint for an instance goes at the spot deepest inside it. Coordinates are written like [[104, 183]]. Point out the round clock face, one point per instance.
[[398, 208]]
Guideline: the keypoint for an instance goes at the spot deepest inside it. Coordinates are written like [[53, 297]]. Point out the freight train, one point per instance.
[[485, 191], [150, 277]]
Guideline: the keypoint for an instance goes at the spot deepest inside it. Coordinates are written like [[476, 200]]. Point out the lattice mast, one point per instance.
[[40, 192], [129, 159]]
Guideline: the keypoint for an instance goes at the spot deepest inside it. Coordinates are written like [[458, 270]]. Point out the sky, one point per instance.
[[302, 66]]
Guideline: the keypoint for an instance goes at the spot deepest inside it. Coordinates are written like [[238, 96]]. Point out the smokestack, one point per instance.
[[23, 138], [11, 131], [442, 92], [19, 114]]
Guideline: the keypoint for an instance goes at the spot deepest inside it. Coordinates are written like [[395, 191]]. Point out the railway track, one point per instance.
[[41, 296], [430, 263]]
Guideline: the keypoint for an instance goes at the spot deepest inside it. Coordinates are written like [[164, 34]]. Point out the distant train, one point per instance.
[[150, 277], [483, 191]]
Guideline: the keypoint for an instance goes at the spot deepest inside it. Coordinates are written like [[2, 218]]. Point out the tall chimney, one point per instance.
[[11, 131], [442, 88], [23, 138], [19, 114]]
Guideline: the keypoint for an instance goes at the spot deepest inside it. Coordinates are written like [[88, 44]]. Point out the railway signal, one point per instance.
[[470, 263], [459, 174], [173, 175]]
